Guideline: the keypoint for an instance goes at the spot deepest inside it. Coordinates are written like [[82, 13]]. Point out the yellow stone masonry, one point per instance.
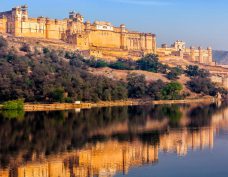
[[97, 36], [178, 49], [100, 39]]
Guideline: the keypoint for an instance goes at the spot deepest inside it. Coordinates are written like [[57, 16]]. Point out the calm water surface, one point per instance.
[[157, 141]]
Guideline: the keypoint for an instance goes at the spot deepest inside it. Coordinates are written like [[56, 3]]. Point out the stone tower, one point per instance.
[[200, 55], [192, 54], [210, 57], [123, 36], [179, 45], [19, 15]]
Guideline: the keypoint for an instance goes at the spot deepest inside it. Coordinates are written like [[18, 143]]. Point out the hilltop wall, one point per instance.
[[84, 35], [100, 39]]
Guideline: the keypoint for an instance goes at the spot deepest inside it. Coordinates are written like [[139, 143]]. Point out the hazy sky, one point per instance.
[[198, 22]]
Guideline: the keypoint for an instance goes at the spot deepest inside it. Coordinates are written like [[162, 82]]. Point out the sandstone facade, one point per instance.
[[97, 36], [178, 49], [99, 39]]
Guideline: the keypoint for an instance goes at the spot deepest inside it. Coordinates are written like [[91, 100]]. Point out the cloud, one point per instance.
[[143, 2]]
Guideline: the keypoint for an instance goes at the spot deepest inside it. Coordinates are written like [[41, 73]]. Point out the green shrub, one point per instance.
[[68, 100], [172, 91], [118, 65], [151, 63], [46, 50], [13, 105], [96, 63], [123, 64]]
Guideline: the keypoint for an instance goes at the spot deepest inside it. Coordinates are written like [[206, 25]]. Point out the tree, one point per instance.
[[151, 63], [120, 92], [57, 95], [174, 73], [96, 63], [154, 89], [194, 71], [123, 64], [172, 91], [76, 60], [136, 85], [202, 85]]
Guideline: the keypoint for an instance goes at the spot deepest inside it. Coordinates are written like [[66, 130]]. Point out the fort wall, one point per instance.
[[84, 35], [178, 49], [100, 39]]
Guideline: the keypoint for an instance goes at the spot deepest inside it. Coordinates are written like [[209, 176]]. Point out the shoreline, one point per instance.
[[29, 107]]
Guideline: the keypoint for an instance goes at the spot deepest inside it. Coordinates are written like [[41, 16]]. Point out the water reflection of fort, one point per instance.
[[111, 157]]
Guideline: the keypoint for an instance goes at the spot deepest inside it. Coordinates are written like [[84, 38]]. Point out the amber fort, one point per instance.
[[99, 38]]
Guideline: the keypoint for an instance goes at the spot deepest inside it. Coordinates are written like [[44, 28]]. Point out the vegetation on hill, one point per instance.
[[149, 63], [201, 83], [47, 75]]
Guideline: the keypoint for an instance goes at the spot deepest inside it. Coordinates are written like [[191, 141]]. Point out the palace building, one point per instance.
[[99, 39], [74, 30], [178, 49]]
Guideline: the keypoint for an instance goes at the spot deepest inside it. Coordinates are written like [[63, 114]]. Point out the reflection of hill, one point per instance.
[[124, 127], [108, 140], [108, 158]]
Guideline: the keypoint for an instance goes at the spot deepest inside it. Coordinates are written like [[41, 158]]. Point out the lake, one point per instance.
[[188, 140]]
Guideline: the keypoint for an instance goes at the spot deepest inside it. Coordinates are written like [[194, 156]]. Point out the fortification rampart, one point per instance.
[[178, 49], [100, 39], [84, 35]]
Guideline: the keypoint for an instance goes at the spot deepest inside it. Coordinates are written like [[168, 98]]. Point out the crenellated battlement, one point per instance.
[[179, 49], [99, 36], [84, 35]]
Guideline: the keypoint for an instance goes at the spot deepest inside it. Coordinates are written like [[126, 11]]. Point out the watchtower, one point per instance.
[[179, 45], [20, 13]]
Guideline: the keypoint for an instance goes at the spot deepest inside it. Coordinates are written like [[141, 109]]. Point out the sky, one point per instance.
[[197, 22]]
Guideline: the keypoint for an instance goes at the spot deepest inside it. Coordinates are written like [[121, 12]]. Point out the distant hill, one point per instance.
[[221, 57]]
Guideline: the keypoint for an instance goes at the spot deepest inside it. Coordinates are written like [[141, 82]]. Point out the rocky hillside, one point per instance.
[[221, 57]]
